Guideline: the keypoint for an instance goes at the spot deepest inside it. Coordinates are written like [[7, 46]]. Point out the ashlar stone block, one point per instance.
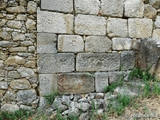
[[75, 83], [140, 28], [97, 44], [70, 43], [117, 27], [97, 61], [90, 25], [53, 63], [54, 22], [46, 43]]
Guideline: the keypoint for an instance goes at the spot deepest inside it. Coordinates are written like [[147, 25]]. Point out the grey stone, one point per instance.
[[156, 34], [140, 28], [42, 102], [149, 11], [3, 85], [70, 43], [100, 95], [84, 116], [97, 61], [115, 76], [5, 35], [18, 49], [9, 108], [26, 72], [56, 103], [133, 8], [121, 43], [58, 5], [73, 110], [26, 43], [62, 107], [47, 84], [98, 103], [127, 60], [101, 81], [73, 83], [21, 17], [30, 64], [3, 72], [32, 7], [31, 24], [18, 36], [25, 54], [84, 106], [20, 84], [14, 60], [157, 22], [66, 100], [7, 44], [3, 56], [85, 100], [46, 43], [17, 9], [9, 96], [54, 22], [97, 44], [52, 63], [13, 74], [155, 3], [117, 27], [87, 7], [2, 22], [112, 8], [90, 25], [26, 96], [14, 24], [24, 107], [31, 49]]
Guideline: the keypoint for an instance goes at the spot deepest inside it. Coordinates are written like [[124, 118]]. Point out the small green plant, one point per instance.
[[156, 89], [50, 98]]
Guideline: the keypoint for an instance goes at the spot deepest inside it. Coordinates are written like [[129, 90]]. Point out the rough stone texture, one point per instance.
[[14, 24], [47, 84], [7, 44], [155, 3], [52, 63], [115, 76], [13, 74], [90, 25], [20, 84], [3, 85], [97, 44], [112, 8], [140, 28], [26, 72], [149, 11], [46, 43], [156, 34], [58, 5], [70, 43], [26, 96], [101, 81], [18, 49], [4, 35], [133, 8], [9, 108], [121, 43], [30, 64], [17, 9], [75, 83], [117, 27], [30, 24], [97, 61], [18, 36], [87, 7], [31, 7], [127, 60], [157, 22], [54, 22], [14, 60]]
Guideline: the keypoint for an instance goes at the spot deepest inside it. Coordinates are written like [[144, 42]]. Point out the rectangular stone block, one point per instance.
[[90, 25], [54, 22], [97, 61], [58, 5], [101, 81], [70, 43], [53, 63], [47, 84], [140, 28], [46, 43], [75, 83]]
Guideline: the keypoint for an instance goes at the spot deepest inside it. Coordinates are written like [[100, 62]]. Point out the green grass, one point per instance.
[[50, 98]]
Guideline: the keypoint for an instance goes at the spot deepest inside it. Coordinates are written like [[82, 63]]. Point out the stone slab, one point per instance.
[[53, 63], [75, 83], [90, 25], [54, 22], [97, 61]]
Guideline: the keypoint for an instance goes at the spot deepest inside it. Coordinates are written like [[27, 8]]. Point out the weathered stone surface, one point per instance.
[[31, 24], [9, 108], [26, 43], [3, 22], [20, 84], [3, 85], [156, 34], [133, 8], [26, 96], [117, 27], [26, 72], [14, 60], [70, 43], [21, 17], [140, 28], [32, 7], [157, 22], [121, 43], [47, 84], [97, 61], [75, 83], [101, 81], [114, 76], [90, 25], [14, 24], [3, 5], [18, 49], [42, 102], [127, 60], [87, 7], [31, 49], [97, 44], [17, 9], [54, 22], [5, 35], [58, 5], [52, 63], [46, 43], [112, 8], [155, 3], [24, 107], [3, 72], [18, 36], [13, 74], [149, 11], [30, 64], [2, 93], [7, 44], [9, 96]]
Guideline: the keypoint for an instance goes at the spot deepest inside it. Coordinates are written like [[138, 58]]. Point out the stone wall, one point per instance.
[[73, 46]]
